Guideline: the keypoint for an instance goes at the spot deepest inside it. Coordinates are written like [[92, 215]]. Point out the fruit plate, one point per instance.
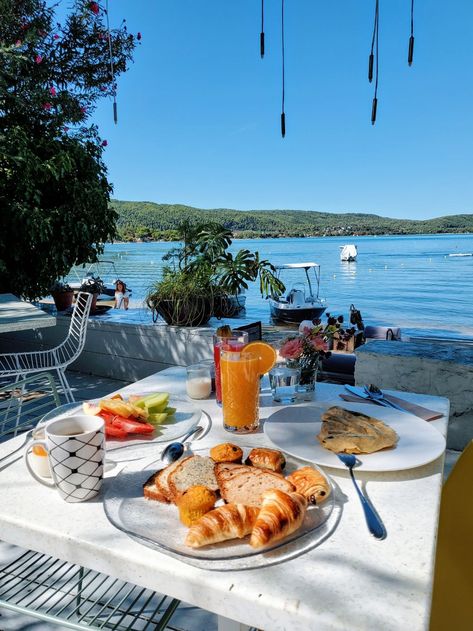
[[157, 525], [187, 417]]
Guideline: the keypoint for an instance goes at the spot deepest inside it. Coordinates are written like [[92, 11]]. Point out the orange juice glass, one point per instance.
[[240, 391]]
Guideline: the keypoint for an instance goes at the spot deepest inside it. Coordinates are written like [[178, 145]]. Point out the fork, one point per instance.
[[377, 395], [375, 525]]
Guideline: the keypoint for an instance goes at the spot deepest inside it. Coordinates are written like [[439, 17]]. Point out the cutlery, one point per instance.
[[360, 392], [175, 450], [377, 395], [375, 525]]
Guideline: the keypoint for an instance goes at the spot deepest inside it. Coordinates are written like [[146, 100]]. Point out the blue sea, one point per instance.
[[406, 281]]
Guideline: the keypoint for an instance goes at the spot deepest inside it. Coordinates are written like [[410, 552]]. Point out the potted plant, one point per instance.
[[62, 295], [343, 339], [93, 285]]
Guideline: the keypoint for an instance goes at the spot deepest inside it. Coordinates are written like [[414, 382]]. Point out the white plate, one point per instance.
[[294, 429], [187, 417]]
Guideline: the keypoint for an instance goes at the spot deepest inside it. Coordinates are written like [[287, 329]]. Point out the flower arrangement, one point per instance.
[[306, 349]]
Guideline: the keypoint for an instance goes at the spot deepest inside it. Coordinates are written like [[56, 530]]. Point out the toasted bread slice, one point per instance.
[[247, 487], [151, 491], [163, 477], [190, 472], [226, 470]]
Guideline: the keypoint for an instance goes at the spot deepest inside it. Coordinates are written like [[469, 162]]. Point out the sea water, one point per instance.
[[405, 281]]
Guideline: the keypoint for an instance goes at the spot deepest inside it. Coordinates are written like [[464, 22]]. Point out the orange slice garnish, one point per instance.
[[266, 353]]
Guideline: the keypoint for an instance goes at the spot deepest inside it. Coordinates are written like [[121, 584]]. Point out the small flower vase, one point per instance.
[[306, 387]]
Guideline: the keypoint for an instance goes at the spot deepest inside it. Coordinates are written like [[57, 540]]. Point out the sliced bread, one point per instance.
[[151, 491], [191, 471], [247, 487], [226, 470], [162, 478]]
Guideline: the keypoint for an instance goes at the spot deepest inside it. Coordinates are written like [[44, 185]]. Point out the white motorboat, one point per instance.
[[302, 301], [106, 271], [348, 252]]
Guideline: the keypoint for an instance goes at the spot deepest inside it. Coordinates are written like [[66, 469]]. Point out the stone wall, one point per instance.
[[440, 369]]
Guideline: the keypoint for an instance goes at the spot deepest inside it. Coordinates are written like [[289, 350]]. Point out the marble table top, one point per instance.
[[351, 580], [18, 315]]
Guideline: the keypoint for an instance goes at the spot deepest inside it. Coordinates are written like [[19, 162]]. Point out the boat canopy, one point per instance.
[[297, 266]]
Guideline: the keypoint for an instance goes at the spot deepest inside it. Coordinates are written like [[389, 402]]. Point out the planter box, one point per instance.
[[349, 345]]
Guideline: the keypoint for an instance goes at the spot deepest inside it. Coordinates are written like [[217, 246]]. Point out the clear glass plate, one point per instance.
[[157, 525], [187, 417]]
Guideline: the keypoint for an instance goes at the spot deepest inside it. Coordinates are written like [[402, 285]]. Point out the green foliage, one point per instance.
[[54, 192], [158, 221]]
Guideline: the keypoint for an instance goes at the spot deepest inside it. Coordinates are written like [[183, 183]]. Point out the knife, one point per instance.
[[359, 392]]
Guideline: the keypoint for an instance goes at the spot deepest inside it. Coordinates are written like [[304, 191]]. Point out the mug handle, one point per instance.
[[29, 447]]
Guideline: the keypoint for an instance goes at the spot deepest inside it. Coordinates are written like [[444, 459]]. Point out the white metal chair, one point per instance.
[[55, 359]]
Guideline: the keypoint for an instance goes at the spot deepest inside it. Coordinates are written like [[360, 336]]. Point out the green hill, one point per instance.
[[150, 221]]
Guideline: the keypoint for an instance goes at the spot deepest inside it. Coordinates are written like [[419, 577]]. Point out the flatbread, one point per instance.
[[349, 432]]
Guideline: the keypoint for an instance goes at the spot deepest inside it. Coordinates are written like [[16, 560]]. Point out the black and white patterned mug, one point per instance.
[[76, 451]]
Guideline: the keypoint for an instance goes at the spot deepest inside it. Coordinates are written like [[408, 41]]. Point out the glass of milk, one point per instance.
[[199, 381]]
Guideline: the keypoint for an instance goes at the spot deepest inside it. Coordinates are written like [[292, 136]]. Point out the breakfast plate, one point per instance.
[[157, 525], [294, 429]]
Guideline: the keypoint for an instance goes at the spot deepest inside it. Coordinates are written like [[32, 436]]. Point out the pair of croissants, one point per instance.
[[279, 515]]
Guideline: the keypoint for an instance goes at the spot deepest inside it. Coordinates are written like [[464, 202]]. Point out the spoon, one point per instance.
[[377, 395], [375, 525], [175, 450]]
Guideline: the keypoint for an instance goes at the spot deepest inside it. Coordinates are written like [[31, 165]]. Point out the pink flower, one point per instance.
[[38, 59], [291, 349], [138, 36], [318, 343], [104, 143], [94, 7], [55, 36], [47, 106], [52, 91]]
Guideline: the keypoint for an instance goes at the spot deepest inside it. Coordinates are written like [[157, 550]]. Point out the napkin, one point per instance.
[[413, 408]]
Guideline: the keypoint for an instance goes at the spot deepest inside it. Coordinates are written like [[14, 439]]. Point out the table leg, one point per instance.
[[225, 624]]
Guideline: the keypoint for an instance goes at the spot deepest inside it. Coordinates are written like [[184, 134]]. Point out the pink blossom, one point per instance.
[[52, 91], [38, 59], [55, 36], [291, 349], [104, 143], [318, 343], [94, 7], [47, 106]]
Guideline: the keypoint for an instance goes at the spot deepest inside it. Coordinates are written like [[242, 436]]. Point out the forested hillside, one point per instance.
[[150, 221]]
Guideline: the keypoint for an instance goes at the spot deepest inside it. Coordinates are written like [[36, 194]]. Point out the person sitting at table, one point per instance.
[[122, 295]]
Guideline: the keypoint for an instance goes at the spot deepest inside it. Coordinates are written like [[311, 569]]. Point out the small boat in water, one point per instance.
[[348, 252], [302, 301], [462, 254], [106, 271]]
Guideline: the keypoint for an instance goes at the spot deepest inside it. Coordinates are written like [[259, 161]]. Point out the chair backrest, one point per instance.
[[24, 402], [452, 599], [72, 346]]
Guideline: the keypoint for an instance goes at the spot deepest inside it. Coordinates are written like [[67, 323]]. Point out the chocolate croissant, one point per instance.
[[265, 458], [232, 521], [310, 483], [280, 514]]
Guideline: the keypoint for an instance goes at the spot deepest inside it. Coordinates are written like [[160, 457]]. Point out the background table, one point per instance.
[[351, 581], [19, 315]]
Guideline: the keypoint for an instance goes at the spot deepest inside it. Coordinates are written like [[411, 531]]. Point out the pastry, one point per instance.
[[280, 515], [194, 503], [266, 459], [232, 521], [226, 452], [354, 433], [310, 483]]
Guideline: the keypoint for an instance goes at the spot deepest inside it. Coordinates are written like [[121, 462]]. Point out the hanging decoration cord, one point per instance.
[[410, 55], [373, 61], [112, 70], [261, 35], [283, 114]]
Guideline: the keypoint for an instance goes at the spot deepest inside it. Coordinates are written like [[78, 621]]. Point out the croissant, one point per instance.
[[310, 483], [280, 514], [232, 521]]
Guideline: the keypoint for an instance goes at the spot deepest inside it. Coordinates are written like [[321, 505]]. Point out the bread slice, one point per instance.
[[247, 487], [151, 491], [191, 471], [162, 478], [226, 470]]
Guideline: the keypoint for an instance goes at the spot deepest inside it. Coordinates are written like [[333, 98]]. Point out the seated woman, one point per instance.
[[122, 295]]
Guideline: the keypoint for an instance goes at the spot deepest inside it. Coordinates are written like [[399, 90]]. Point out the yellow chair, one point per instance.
[[452, 599]]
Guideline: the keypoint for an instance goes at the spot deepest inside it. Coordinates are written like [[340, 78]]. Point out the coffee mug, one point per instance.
[[75, 449]]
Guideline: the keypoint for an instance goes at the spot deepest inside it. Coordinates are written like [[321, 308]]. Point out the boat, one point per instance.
[[302, 301], [462, 254], [106, 271], [348, 252]]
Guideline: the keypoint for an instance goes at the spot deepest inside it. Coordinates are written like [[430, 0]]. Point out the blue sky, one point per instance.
[[199, 110]]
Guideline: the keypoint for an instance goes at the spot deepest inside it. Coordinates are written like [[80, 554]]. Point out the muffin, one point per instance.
[[194, 503], [226, 452]]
